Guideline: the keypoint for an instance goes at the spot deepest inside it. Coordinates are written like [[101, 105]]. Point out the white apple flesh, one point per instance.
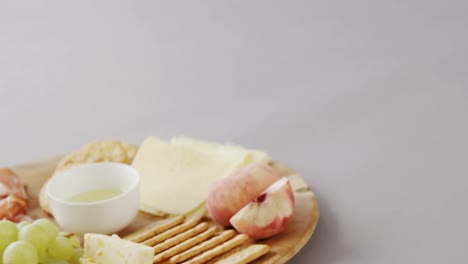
[[268, 214]]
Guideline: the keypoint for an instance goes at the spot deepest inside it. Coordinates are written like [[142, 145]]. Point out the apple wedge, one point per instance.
[[268, 214]]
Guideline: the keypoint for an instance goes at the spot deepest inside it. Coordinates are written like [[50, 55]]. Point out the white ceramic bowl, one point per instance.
[[104, 216]]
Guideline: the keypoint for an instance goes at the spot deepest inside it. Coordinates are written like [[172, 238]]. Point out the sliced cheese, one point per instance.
[[102, 249], [175, 179], [251, 155], [86, 261]]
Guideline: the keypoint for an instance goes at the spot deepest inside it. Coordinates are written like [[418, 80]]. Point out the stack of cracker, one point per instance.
[[177, 240]]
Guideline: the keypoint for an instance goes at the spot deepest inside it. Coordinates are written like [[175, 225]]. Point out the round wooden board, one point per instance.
[[283, 246]]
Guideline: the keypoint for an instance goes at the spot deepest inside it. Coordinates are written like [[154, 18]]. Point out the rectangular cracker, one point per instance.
[[180, 237], [206, 245], [170, 233], [243, 254], [185, 245], [152, 230], [218, 250]]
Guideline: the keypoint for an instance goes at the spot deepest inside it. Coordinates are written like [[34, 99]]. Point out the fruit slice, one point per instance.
[[268, 214], [8, 234], [228, 195], [20, 252]]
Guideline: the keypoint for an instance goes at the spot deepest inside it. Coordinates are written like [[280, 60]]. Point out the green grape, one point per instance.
[[77, 254], [75, 241], [8, 234], [20, 252], [35, 235], [50, 228], [61, 248], [42, 254], [22, 224]]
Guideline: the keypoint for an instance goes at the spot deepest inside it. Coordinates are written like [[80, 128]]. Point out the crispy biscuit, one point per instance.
[[152, 230], [180, 237], [218, 250], [179, 248], [206, 245], [243, 254], [176, 241], [170, 233]]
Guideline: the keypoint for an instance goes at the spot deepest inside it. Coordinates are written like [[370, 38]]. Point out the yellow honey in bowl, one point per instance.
[[95, 195]]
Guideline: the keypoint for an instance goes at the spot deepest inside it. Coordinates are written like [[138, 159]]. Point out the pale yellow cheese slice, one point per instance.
[[86, 261], [175, 179], [226, 150]]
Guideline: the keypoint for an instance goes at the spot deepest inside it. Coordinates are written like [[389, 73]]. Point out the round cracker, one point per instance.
[[99, 151]]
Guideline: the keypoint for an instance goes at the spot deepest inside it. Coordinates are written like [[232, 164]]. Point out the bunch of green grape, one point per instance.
[[38, 242]]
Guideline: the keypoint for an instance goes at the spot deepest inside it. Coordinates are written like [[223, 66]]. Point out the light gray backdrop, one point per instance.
[[366, 99]]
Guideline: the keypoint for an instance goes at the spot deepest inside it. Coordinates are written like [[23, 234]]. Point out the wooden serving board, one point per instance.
[[283, 246]]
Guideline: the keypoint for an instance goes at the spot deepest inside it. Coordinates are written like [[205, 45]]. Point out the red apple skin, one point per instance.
[[269, 214], [228, 195]]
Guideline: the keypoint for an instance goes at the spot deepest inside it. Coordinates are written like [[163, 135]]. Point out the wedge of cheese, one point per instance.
[[102, 249], [251, 155], [175, 179]]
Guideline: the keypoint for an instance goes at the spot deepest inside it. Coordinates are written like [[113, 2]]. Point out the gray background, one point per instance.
[[366, 99]]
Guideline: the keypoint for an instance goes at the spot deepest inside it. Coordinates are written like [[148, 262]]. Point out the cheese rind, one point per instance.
[[102, 249], [176, 178]]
